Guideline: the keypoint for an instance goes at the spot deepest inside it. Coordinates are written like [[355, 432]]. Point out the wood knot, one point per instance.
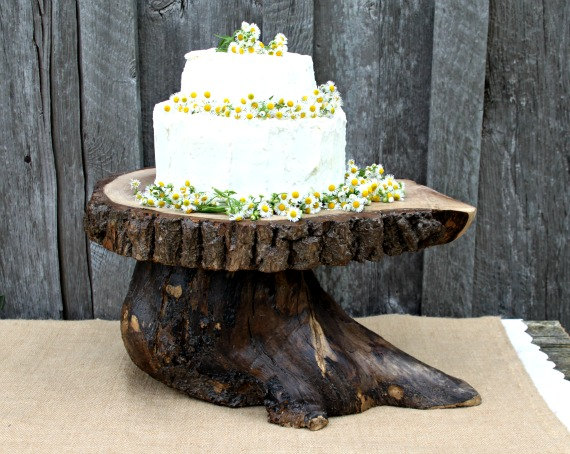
[[396, 392], [174, 290], [135, 323]]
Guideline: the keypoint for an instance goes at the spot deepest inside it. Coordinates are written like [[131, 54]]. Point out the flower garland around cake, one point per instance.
[[322, 102], [361, 187], [246, 41]]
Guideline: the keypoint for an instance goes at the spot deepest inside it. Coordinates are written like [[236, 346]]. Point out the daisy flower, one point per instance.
[[245, 26], [253, 29], [294, 214], [281, 208], [239, 216], [315, 207], [265, 209], [135, 183], [233, 47], [308, 200], [280, 38], [295, 196]]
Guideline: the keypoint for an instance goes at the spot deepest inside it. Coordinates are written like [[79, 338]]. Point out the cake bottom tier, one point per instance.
[[250, 157]]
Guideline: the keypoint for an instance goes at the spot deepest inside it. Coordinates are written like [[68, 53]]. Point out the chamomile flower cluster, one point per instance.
[[360, 188], [324, 101], [246, 41]]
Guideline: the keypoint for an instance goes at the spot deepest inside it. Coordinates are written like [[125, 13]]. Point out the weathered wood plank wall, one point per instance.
[[469, 97]]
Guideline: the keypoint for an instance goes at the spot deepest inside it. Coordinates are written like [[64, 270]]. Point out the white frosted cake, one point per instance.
[[251, 122]]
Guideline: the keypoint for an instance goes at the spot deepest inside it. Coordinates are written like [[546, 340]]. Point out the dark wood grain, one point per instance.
[[110, 125], [379, 53], [273, 339], [167, 30], [68, 154], [522, 260], [29, 266], [457, 85]]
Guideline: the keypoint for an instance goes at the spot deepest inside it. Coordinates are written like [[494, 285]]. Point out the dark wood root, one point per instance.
[[251, 338]]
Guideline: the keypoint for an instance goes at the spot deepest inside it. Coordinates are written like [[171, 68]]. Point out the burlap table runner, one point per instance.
[[70, 386]]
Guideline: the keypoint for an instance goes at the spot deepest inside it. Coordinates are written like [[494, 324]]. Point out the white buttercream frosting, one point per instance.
[[258, 156], [233, 76], [249, 157]]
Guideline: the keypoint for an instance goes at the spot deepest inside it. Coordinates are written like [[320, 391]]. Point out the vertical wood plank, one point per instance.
[[456, 111], [167, 31], [29, 268], [68, 153], [379, 53], [294, 18], [522, 262], [110, 124]]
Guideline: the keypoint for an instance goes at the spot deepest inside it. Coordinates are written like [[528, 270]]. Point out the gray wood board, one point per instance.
[[169, 29], [68, 153], [456, 110], [110, 125], [522, 261], [378, 54], [552, 340], [29, 268]]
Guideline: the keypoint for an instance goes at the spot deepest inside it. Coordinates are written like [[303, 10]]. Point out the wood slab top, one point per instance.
[[332, 237]]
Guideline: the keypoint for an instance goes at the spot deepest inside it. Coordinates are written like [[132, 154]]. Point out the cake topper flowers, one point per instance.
[[246, 41]]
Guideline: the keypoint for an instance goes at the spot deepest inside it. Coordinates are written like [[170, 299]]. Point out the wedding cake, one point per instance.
[[251, 134], [251, 122]]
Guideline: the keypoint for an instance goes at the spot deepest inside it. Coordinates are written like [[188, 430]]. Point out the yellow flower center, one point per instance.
[[161, 203], [304, 98], [293, 213], [308, 201], [283, 196], [161, 184], [279, 115], [206, 94], [332, 187], [234, 49], [251, 50], [281, 207], [186, 202], [176, 99], [150, 202], [295, 194], [355, 203], [240, 36], [290, 103], [207, 107], [218, 109], [167, 108], [186, 109], [241, 51], [354, 181], [312, 108], [331, 205], [193, 94], [270, 106], [238, 109], [175, 196], [184, 99], [365, 193], [265, 208], [279, 53], [250, 96], [331, 87], [242, 100], [249, 116], [254, 105], [316, 92]]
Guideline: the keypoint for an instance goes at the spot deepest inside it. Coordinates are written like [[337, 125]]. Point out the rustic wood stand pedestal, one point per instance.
[[230, 312]]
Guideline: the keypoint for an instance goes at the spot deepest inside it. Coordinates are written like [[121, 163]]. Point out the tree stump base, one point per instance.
[[230, 312], [275, 339]]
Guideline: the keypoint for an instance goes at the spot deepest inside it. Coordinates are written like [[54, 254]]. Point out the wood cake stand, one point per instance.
[[231, 313]]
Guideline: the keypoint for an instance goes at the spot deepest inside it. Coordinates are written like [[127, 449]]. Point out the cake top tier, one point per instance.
[[234, 75], [243, 64]]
